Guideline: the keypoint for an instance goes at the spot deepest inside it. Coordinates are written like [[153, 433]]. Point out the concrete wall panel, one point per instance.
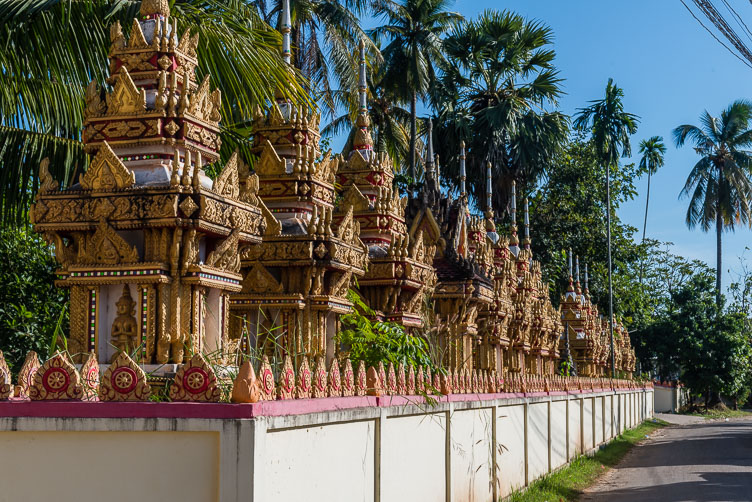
[[587, 423], [575, 432], [413, 458], [331, 462], [598, 415], [510, 430], [608, 417], [471, 448], [558, 433], [67, 465], [537, 443]]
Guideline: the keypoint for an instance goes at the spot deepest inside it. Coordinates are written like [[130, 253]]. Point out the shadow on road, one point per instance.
[[713, 486], [708, 461]]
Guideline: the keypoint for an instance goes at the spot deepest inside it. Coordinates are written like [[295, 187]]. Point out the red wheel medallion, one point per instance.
[[195, 380], [55, 380], [124, 380]]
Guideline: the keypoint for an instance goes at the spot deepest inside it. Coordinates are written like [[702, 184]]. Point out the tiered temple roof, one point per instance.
[[163, 259], [400, 273], [147, 243], [297, 280]]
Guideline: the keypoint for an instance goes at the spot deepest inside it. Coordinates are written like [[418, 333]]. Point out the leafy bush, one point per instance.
[[375, 341], [33, 312]]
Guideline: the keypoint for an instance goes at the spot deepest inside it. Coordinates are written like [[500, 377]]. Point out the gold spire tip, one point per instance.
[[151, 7]]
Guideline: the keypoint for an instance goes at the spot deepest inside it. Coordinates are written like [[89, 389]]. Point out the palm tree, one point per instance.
[[325, 35], [495, 93], [414, 29], [652, 151], [610, 127], [719, 186], [389, 121], [52, 49]]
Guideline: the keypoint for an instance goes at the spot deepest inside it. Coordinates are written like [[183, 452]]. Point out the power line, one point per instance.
[[707, 7], [745, 60]]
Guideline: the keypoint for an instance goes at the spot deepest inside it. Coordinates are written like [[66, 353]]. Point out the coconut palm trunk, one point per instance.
[[719, 255], [645, 224], [647, 203], [413, 132]]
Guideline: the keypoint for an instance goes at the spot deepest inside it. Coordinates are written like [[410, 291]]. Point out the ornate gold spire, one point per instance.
[[152, 7]]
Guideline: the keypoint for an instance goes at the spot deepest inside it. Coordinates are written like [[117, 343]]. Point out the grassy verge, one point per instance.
[[567, 484], [714, 414]]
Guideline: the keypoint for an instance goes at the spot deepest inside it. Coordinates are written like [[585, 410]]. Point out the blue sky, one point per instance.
[[671, 70]]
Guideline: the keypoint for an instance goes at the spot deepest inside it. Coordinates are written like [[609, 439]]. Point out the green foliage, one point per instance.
[[494, 94], [719, 186], [609, 125], [379, 341], [51, 50], [33, 312], [707, 348], [568, 211]]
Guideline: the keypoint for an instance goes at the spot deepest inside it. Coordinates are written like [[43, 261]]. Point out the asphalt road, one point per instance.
[[696, 461]]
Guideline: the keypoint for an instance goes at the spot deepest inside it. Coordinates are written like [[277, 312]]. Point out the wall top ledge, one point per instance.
[[88, 409]]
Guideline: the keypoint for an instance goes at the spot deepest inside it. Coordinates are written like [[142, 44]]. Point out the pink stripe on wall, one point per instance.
[[88, 409]]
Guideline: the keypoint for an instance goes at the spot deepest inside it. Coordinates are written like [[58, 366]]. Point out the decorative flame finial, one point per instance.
[[526, 240], [362, 84], [587, 280], [362, 141], [570, 288], [429, 151], [489, 189], [286, 28], [463, 173], [577, 273], [152, 8], [514, 242]]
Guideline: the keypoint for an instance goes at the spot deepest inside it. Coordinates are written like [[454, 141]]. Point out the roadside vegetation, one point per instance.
[[567, 484], [717, 413]]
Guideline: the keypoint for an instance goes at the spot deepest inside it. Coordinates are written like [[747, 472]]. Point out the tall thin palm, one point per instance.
[[652, 151], [52, 48], [389, 121], [610, 127], [718, 186], [495, 93], [325, 35], [414, 29]]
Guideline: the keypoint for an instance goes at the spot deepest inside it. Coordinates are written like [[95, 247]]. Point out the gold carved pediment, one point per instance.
[[354, 198], [107, 172], [205, 105], [260, 280], [270, 164], [227, 183], [126, 98], [226, 256], [106, 247], [137, 40]]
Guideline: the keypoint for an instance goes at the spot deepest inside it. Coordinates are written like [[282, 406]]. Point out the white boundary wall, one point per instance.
[[475, 451], [670, 399], [456, 451]]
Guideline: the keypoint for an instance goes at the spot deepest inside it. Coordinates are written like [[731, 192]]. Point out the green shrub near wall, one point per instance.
[[32, 309]]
